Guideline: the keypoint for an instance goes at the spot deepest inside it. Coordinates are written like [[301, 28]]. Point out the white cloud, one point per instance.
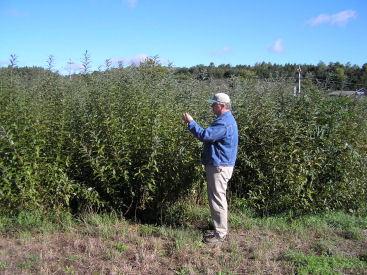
[[72, 67], [134, 60], [131, 3], [277, 46], [340, 19], [128, 60], [221, 52]]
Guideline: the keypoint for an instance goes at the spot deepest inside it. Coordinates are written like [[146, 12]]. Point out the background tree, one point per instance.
[[50, 63], [86, 62], [13, 60]]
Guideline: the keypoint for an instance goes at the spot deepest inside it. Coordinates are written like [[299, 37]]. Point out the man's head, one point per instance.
[[221, 103]]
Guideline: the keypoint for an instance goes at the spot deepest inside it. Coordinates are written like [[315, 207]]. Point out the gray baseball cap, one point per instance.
[[220, 98]]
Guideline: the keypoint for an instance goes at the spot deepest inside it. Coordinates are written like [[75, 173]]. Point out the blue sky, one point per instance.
[[184, 33]]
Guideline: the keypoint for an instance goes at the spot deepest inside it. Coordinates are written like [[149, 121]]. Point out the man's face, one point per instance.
[[217, 108]]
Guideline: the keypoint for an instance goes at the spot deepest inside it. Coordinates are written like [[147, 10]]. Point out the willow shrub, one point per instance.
[[34, 143], [304, 154], [132, 144], [115, 140]]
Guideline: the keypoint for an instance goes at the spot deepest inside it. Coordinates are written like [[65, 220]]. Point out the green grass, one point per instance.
[[3, 265], [121, 247], [323, 264], [312, 244]]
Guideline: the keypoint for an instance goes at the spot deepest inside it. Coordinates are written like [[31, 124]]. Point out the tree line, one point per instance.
[[334, 76]]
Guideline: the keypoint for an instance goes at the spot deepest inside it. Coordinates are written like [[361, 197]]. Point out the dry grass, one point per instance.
[[100, 246]]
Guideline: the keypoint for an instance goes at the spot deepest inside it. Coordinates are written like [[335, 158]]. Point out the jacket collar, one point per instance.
[[225, 114]]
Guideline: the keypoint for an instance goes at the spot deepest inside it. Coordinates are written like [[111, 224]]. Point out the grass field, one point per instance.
[[332, 243]]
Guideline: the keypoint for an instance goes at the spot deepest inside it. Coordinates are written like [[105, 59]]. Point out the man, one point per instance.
[[219, 157]]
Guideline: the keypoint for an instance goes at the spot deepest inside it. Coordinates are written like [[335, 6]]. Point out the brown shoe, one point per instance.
[[214, 240], [208, 233]]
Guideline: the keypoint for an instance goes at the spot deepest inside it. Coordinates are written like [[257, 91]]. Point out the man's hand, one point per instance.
[[186, 117]]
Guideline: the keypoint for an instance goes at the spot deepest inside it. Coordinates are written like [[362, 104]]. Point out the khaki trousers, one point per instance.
[[217, 180]]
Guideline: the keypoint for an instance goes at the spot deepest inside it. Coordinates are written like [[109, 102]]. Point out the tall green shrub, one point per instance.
[[115, 140], [300, 154]]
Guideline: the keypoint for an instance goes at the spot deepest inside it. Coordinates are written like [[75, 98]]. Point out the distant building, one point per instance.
[[360, 92]]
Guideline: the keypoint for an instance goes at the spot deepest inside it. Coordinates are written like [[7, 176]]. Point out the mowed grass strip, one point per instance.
[[108, 243]]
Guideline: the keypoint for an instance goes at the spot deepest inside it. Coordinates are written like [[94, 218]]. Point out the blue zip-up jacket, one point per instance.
[[220, 140]]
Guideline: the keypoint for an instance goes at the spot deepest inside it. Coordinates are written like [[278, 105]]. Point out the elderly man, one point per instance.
[[219, 157]]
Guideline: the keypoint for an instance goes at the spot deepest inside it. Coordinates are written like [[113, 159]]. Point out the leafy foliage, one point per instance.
[[115, 140], [303, 155]]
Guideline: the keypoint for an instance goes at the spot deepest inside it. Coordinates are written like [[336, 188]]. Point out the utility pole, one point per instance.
[[299, 79]]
